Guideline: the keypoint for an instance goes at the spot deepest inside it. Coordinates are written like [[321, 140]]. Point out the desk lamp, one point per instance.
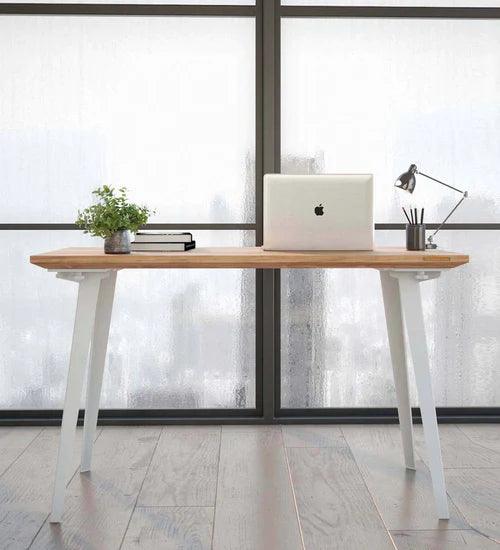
[[408, 181]]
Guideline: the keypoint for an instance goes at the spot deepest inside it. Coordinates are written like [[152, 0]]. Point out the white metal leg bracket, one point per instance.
[[90, 336], [403, 307]]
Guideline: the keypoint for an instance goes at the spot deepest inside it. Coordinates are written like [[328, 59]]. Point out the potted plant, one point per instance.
[[112, 218]]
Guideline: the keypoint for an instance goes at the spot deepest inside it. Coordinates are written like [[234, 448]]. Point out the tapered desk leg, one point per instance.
[[413, 315], [395, 332], [96, 367], [84, 324]]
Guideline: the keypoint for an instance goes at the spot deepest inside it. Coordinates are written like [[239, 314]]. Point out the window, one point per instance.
[[158, 105], [377, 95], [164, 106], [187, 104]]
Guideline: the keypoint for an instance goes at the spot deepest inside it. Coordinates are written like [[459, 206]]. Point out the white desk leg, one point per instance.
[[414, 318], [395, 332], [84, 323], [96, 366]]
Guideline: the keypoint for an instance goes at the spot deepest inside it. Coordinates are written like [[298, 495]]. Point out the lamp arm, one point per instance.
[[442, 183], [464, 196]]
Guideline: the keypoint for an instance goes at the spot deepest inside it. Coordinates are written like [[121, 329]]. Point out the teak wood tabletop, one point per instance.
[[249, 257]]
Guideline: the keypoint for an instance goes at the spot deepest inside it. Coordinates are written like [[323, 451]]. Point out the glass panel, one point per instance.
[[163, 106], [334, 350], [374, 95], [179, 338], [424, 3]]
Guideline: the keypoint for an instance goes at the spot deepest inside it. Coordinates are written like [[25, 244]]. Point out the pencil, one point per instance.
[[406, 215]]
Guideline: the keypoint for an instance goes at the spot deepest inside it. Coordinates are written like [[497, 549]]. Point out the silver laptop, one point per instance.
[[320, 212]]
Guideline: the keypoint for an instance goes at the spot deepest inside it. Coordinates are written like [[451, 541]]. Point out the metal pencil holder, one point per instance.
[[415, 236]]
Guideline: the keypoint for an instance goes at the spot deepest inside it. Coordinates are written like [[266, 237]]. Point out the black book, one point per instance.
[[161, 247]]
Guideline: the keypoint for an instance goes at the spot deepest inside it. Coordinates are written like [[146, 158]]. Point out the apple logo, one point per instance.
[[319, 210]]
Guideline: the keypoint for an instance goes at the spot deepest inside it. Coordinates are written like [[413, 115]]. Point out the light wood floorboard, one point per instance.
[[13, 441], [26, 489], [255, 506], [335, 508], [459, 450], [99, 504], [170, 528], [486, 435], [403, 497], [346, 484], [442, 540], [477, 493], [184, 469], [311, 435]]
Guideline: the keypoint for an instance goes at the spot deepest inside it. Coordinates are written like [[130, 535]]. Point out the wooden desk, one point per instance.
[[401, 273], [251, 257]]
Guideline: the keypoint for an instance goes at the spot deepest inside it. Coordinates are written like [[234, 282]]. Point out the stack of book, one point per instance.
[[160, 241]]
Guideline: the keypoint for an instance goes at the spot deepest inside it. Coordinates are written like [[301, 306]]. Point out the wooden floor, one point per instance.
[[251, 488]]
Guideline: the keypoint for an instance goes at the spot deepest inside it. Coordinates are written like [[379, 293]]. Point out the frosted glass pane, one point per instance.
[[378, 94], [424, 3], [163, 106], [179, 338], [334, 350]]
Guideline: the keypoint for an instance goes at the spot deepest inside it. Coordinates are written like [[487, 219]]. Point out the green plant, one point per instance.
[[113, 212]]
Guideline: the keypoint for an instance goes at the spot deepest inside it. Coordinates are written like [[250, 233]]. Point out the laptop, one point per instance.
[[319, 212]]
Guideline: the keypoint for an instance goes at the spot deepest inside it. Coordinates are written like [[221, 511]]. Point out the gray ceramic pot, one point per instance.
[[118, 243]]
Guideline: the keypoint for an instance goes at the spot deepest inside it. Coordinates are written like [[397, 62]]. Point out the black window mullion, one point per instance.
[[149, 10]]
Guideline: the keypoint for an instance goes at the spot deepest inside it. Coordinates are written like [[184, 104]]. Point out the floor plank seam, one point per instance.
[[293, 489], [22, 452], [476, 443], [216, 490], [464, 517], [497, 541], [140, 489], [435, 530], [473, 468], [169, 506], [368, 489], [41, 527]]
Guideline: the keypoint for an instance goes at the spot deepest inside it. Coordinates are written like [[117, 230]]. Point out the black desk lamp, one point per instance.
[[408, 181]]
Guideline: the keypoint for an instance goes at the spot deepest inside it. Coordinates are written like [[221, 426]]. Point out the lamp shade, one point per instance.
[[407, 180]]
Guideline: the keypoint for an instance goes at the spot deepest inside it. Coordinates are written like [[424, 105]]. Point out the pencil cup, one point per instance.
[[415, 236]]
